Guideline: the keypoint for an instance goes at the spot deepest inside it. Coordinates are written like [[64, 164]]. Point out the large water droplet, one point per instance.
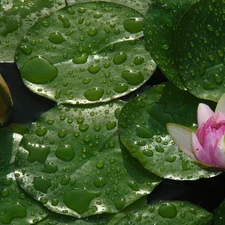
[[41, 131], [94, 69], [133, 25], [133, 185], [80, 59], [119, 58], [100, 182], [56, 38], [65, 153], [83, 199], [143, 132], [120, 88], [132, 77], [167, 210], [38, 70], [93, 94], [120, 203], [41, 184]]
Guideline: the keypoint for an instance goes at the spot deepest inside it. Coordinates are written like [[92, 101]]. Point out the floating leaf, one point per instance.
[[163, 213], [16, 207], [219, 217], [74, 152], [5, 101], [85, 53], [199, 46], [16, 18], [160, 23], [142, 126], [139, 5], [9, 143]]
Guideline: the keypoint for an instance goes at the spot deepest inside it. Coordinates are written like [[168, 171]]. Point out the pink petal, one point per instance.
[[221, 105], [181, 136], [200, 154], [220, 117], [203, 113], [219, 154]]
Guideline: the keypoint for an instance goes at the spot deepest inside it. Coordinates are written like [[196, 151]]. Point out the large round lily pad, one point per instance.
[[164, 213], [199, 46], [72, 161], [16, 206], [16, 17], [142, 126], [85, 53]]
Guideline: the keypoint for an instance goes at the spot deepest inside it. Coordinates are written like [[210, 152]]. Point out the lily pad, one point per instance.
[[5, 101], [142, 126], [160, 23], [9, 143], [139, 5], [85, 53], [164, 213], [16, 17], [17, 207], [73, 152], [199, 46]]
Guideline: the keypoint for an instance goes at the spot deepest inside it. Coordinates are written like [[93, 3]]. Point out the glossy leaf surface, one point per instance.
[[74, 152], [16, 18], [199, 44], [16, 207], [85, 53], [160, 23], [142, 126], [164, 213], [219, 217]]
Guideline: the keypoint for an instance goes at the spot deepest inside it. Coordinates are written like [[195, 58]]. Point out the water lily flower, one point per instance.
[[206, 145]]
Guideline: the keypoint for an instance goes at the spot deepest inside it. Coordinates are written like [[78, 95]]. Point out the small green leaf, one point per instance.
[[142, 125], [199, 44], [160, 23], [17, 207], [164, 213], [16, 18], [86, 53], [219, 216], [74, 152]]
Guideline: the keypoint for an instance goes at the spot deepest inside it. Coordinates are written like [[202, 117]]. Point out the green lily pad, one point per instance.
[[160, 23], [5, 101], [219, 216], [139, 5], [17, 207], [16, 17], [9, 143], [85, 53], [142, 126], [199, 46], [73, 152], [164, 213]]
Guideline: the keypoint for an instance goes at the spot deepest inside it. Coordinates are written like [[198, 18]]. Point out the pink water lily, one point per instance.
[[207, 144]]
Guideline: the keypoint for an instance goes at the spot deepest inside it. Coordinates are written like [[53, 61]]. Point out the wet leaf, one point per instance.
[[164, 213], [5, 101], [142, 126], [16, 18], [219, 216], [139, 5], [160, 23], [9, 142], [17, 207], [85, 53], [199, 44], [73, 152]]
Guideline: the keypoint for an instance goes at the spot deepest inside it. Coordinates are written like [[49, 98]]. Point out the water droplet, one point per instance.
[[65, 21], [38, 70], [119, 58], [97, 127], [120, 203], [167, 210], [49, 168], [133, 185], [94, 94], [65, 180], [83, 199], [65, 153], [37, 152], [41, 131], [133, 25], [143, 132], [159, 149], [56, 38], [62, 133], [132, 77], [120, 88], [148, 153], [110, 125], [25, 49], [80, 59], [171, 159], [100, 164], [80, 119], [41, 184], [92, 32], [93, 69], [138, 60], [83, 127], [208, 85], [100, 182]]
